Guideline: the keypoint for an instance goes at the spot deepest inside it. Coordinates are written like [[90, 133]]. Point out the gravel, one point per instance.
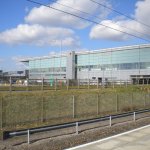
[[71, 140]]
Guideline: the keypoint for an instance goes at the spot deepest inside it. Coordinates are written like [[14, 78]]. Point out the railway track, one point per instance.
[[77, 127]]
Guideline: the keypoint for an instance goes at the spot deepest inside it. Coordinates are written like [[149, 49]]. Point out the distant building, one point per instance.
[[1, 75], [14, 74], [5, 76], [121, 63], [1, 72]]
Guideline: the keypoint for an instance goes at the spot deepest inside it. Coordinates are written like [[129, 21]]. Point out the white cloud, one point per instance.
[[45, 26], [142, 12], [102, 32], [46, 16], [39, 35]]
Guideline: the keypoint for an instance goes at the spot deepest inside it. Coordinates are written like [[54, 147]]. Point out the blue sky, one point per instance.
[[28, 30]]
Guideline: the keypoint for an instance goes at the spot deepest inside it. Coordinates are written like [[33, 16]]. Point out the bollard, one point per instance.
[[134, 119], [110, 121], [77, 130], [28, 136]]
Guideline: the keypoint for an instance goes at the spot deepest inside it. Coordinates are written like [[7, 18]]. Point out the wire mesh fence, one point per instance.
[[23, 110]]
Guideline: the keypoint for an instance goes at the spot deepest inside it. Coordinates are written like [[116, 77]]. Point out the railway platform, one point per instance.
[[138, 139]]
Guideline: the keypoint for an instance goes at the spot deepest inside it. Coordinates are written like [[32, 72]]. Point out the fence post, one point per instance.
[[67, 84], [143, 81], [110, 121], [42, 83], [148, 98], [88, 83], [10, 84], [1, 125], [134, 119], [145, 100], [147, 81], [27, 84], [132, 100], [77, 130], [42, 116], [117, 103], [73, 106], [138, 81], [55, 84], [28, 135], [99, 99], [113, 84], [97, 104], [78, 83]]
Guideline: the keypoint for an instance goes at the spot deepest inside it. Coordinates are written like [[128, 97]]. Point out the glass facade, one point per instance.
[[54, 62], [117, 63], [115, 60], [54, 67]]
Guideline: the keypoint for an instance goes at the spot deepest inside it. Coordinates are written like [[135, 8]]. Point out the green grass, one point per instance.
[[30, 109]]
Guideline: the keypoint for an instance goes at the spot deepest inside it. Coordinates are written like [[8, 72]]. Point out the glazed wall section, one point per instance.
[[48, 68], [110, 64], [114, 64]]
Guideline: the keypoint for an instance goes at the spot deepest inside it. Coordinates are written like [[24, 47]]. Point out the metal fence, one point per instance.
[[57, 84], [24, 110]]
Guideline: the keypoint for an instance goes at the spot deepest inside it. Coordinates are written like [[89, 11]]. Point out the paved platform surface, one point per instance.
[[137, 140]]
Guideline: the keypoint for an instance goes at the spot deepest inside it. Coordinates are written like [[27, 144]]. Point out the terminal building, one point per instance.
[[112, 64]]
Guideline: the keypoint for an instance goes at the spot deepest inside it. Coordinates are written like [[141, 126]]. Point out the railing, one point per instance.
[[77, 125]]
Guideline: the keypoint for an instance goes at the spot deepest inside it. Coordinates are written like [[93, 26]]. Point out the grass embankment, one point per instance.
[[30, 109]]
